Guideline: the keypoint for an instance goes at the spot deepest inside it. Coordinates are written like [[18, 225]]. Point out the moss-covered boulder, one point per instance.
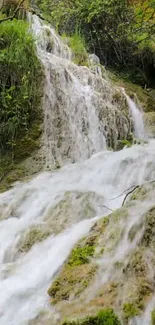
[[32, 236], [110, 268], [104, 317], [76, 275]]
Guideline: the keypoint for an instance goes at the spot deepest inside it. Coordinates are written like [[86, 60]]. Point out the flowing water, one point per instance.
[[26, 276], [137, 116]]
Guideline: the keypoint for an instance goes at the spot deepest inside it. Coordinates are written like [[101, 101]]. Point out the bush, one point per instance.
[[120, 32], [20, 92], [77, 44]]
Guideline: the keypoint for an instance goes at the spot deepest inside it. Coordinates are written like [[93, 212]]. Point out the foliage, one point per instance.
[[81, 255], [123, 143], [78, 46], [19, 92], [130, 310], [120, 32], [104, 317]]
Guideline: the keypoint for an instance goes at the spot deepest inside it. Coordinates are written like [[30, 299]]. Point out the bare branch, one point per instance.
[[130, 193]]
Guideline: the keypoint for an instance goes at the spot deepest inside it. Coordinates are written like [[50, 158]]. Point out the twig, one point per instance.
[[104, 206], [130, 193], [116, 197]]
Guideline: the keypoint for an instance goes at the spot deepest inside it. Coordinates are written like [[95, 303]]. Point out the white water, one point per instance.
[[25, 277], [137, 116], [80, 113]]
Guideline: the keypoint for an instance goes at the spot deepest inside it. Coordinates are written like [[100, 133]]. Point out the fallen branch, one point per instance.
[[130, 193], [134, 188], [116, 197]]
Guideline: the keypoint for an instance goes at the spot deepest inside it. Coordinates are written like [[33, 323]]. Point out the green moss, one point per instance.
[[139, 193], [71, 281], [130, 310], [117, 96], [76, 274], [123, 143], [81, 255], [78, 47], [33, 236], [104, 317], [153, 317], [149, 224]]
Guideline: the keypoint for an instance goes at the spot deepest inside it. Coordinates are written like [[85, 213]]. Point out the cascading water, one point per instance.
[[26, 275], [137, 116], [80, 113]]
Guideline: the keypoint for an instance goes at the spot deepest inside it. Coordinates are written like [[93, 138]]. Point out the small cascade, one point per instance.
[[137, 116], [80, 113]]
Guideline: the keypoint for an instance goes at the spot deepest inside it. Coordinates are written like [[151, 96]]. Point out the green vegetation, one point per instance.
[[19, 91], [104, 317], [130, 310], [20, 96], [120, 32], [81, 255], [72, 281], [153, 317], [75, 275], [77, 44], [123, 143], [31, 237]]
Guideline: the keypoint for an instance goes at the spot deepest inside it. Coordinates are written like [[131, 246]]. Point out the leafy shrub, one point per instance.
[[77, 44], [20, 81], [120, 32]]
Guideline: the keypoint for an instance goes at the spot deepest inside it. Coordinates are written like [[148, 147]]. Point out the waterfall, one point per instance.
[[137, 116], [73, 133], [79, 109]]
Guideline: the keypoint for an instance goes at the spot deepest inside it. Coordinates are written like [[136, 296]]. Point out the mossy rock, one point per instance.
[[153, 317], [122, 144], [146, 98], [31, 237], [130, 310], [29, 143], [149, 232], [149, 122], [104, 317], [72, 281], [139, 194], [81, 255]]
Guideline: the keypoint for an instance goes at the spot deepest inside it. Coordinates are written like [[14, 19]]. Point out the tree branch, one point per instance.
[[14, 14], [130, 193]]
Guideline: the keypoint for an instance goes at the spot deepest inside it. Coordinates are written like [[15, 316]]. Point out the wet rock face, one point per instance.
[[117, 261], [83, 112], [149, 120]]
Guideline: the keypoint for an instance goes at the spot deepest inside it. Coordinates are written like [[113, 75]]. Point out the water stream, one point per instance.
[[25, 277]]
